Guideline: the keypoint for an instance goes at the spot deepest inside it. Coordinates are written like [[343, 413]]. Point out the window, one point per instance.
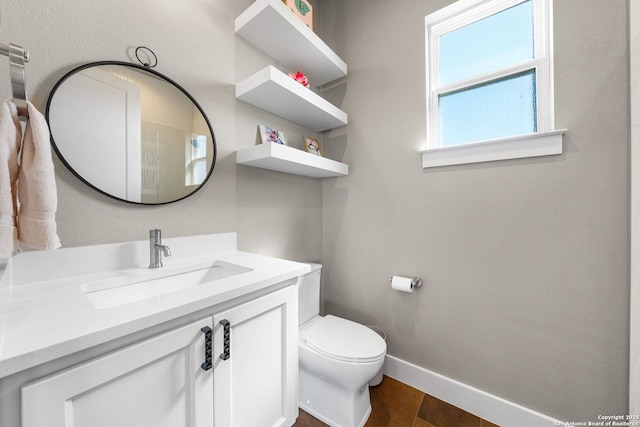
[[196, 160], [489, 82]]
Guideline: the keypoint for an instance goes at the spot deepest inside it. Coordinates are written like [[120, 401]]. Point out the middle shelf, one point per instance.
[[272, 90]]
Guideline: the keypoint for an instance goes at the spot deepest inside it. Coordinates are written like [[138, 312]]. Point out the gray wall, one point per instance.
[[634, 335], [196, 46], [525, 262]]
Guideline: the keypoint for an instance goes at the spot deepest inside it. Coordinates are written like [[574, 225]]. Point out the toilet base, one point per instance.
[[329, 422], [334, 406]]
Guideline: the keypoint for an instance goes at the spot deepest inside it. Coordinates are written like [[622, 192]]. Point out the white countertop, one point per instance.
[[45, 313]]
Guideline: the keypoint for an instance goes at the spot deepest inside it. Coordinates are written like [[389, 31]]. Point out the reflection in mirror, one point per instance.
[[131, 133]]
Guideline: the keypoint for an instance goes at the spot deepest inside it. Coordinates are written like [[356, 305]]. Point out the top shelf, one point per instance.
[[274, 29]]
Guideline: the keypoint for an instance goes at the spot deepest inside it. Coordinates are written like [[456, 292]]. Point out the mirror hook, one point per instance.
[[147, 51]]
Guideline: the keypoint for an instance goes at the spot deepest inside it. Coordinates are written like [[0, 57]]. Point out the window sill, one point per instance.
[[517, 147]]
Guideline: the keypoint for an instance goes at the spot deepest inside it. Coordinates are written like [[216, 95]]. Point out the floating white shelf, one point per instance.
[[272, 90], [290, 160], [273, 28]]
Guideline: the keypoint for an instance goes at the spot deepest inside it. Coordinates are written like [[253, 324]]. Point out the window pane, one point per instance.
[[496, 109], [492, 43], [199, 171], [198, 146]]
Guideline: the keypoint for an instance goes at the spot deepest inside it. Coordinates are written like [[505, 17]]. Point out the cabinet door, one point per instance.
[[158, 382], [257, 385]]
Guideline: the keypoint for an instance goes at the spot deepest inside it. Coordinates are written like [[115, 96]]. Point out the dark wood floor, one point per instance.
[[395, 404]]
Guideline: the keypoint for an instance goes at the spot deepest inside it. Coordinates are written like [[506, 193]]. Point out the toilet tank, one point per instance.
[[309, 294]]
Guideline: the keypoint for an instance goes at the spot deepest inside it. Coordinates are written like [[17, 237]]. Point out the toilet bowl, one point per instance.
[[336, 358]]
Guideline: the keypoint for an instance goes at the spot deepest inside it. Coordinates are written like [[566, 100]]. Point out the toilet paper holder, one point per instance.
[[416, 282]]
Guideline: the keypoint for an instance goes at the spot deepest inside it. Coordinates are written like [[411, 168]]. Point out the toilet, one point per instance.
[[336, 357]]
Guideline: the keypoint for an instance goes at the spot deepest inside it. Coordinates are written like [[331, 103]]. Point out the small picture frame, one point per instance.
[[312, 146], [302, 9], [271, 135]]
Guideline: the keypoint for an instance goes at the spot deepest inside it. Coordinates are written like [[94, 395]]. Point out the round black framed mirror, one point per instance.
[[131, 133]]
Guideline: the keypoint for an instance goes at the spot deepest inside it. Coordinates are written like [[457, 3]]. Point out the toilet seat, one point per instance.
[[344, 340]]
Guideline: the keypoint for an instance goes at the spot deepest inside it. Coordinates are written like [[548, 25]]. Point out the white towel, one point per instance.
[[10, 138], [37, 194]]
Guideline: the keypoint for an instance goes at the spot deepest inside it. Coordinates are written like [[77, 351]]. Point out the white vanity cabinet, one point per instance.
[[159, 382], [257, 385]]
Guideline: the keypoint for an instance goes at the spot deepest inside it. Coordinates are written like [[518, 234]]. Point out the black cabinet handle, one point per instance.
[[208, 349], [227, 339]]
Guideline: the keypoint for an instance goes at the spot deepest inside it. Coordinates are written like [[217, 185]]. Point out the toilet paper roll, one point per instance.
[[403, 284]]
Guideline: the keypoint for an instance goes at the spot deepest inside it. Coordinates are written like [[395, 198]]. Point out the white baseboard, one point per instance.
[[484, 405]]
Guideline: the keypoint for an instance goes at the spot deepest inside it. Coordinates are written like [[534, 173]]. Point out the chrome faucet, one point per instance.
[[156, 249]]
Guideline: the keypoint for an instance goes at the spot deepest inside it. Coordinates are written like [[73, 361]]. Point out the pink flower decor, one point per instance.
[[300, 78]]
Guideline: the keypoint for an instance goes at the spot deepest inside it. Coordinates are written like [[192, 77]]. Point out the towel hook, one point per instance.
[[17, 57]]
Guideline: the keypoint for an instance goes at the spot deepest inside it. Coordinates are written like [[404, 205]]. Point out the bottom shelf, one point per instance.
[[281, 158]]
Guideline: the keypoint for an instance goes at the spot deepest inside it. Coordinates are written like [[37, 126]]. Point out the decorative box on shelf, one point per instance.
[[302, 9]]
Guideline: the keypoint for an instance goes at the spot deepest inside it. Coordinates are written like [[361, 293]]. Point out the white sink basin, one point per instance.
[[127, 286]]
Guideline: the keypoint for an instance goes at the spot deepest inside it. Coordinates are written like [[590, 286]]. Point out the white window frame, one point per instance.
[[546, 140]]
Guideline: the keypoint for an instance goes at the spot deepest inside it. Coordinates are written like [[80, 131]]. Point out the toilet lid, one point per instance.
[[344, 340]]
